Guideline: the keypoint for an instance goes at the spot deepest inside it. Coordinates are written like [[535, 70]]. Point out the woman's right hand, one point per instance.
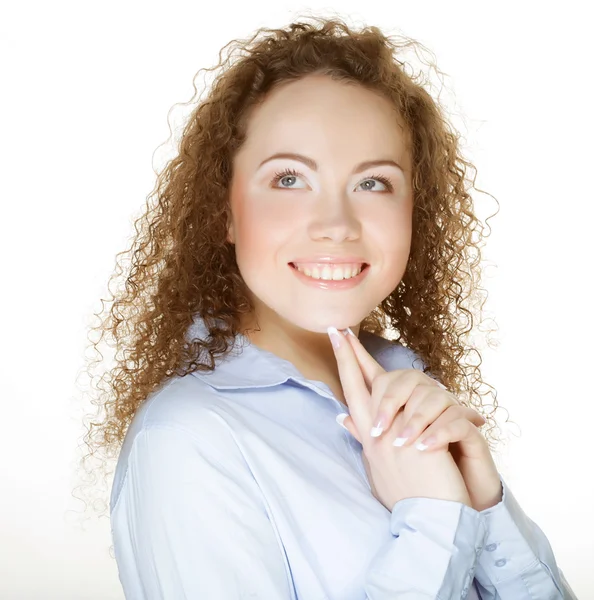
[[394, 473]]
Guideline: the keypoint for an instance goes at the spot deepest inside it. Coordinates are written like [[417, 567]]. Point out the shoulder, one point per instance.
[[181, 403], [389, 354], [180, 422]]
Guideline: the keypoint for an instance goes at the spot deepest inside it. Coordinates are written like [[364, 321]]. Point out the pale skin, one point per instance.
[[414, 406], [328, 210], [334, 209]]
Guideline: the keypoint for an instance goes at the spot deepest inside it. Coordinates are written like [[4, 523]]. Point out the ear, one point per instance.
[[230, 233]]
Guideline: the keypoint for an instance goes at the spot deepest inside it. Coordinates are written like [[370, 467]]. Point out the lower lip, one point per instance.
[[328, 284]]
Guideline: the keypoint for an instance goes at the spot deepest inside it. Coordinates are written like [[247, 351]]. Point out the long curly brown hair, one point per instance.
[[181, 265]]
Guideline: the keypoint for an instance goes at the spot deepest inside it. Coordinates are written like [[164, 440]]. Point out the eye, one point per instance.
[[383, 180], [288, 173], [292, 174]]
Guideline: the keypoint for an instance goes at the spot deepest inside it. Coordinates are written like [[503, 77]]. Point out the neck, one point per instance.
[[311, 352]]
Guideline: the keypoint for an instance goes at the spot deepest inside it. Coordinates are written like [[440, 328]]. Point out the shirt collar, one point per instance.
[[248, 366]]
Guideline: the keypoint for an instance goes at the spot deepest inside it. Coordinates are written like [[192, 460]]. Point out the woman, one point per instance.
[[317, 203]]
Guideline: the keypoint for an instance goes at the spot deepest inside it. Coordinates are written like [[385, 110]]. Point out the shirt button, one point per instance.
[[500, 562], [491, 547]]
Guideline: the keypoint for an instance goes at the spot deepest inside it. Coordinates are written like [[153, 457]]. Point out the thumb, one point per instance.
[[346, 421]]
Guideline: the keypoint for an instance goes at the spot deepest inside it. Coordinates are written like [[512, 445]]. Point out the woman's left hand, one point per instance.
[[434, 414]]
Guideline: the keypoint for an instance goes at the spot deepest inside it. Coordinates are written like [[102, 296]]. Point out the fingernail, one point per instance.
[[350, 332], [340, 419], [400, 441], [379, 427], [334, 337], [425, 443]]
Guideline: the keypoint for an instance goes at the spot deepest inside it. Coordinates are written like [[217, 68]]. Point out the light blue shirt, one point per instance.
[[239, 483]]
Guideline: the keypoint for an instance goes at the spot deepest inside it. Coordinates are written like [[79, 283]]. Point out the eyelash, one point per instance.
[[291, 172]]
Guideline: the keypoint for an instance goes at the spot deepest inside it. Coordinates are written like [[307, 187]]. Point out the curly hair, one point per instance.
[[182, 265]]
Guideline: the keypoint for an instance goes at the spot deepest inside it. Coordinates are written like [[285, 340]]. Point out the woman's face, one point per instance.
[[337, 209]]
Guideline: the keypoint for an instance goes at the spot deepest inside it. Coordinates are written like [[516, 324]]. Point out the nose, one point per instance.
[[335, 220]]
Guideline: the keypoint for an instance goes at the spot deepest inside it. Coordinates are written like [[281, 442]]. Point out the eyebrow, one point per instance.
[[312, 164]]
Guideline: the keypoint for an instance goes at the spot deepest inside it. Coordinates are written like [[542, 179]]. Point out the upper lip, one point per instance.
[[326, 258]]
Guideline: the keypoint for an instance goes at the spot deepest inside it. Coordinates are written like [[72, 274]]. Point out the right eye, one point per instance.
[[286, 173]]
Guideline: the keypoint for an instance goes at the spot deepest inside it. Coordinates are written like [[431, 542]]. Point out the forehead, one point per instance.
[[317, 114]]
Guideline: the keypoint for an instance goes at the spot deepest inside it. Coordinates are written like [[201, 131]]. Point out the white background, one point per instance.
[[86, 88]]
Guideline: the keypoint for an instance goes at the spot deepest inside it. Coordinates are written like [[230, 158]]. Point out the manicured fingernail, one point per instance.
[[340, 419], [379, 427], [350, 332], [334, 337], [425, 443], [400, 441]]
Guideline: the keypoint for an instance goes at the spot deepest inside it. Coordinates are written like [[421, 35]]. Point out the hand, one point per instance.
[[394, 473], [429, 411]]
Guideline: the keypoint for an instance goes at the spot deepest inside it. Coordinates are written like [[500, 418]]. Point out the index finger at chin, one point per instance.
[[369, 366], [351, 377]]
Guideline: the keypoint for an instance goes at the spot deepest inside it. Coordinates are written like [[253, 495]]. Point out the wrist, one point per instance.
[[488, 500]]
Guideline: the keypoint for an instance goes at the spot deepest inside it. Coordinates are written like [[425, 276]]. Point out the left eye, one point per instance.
[[384, 180], [292, 173]]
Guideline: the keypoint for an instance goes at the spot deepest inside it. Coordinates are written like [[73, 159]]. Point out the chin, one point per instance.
[[321, 325]]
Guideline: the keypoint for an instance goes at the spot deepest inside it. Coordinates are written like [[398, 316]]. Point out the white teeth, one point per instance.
[[331, 273]]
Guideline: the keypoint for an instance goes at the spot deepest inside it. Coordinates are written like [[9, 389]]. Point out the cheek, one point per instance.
[[262, 230], [391, 229], [392, 223]]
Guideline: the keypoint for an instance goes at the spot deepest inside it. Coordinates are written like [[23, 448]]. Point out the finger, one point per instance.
[[458, 430], [369, 366], [450, 414], [353, 384], [390, 392], [426, 405], [372, 369], [347, 422]]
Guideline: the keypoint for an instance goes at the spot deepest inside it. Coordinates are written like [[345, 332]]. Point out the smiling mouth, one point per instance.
[[363, 268]]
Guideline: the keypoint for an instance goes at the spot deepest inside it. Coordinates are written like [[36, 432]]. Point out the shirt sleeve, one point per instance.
[[432, 554], [193, 525], [517, 562]]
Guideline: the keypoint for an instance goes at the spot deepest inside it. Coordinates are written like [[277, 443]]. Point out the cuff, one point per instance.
[[510, 553], [435, 547]]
